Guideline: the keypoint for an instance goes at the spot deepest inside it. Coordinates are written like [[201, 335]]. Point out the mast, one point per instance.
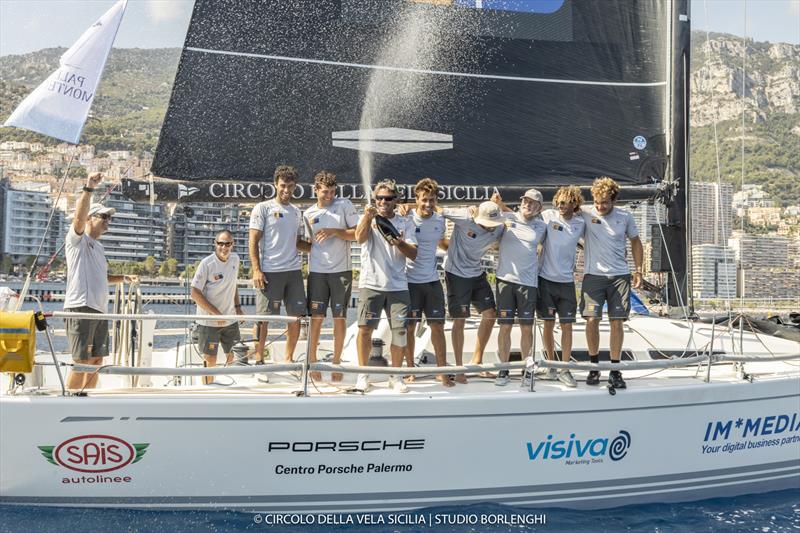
[[679, 242]]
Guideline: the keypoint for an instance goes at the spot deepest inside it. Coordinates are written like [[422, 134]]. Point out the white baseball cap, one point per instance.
[[100, 209], [533, 194], [488, 215]]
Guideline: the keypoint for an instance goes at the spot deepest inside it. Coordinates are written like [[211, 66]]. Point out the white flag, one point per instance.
[[60, 105]]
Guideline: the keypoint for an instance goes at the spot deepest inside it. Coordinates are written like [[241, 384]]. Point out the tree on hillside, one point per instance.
[[149, 266]]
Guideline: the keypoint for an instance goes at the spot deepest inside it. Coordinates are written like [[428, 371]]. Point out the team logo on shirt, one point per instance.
[[315, 221], [471, 234], [217, 277], [557, 226], [418, 230], [277, 215], [596, 221]]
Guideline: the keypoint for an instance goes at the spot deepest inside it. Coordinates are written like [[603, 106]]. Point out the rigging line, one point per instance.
[[716, 153], [426, 71], [744, 105], [24, 292]]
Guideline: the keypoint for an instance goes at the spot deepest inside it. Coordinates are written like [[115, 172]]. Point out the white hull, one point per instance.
[[226, 449]]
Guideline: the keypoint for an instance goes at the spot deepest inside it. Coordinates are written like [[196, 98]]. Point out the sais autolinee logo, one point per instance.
[[94, 454], [576, 450]]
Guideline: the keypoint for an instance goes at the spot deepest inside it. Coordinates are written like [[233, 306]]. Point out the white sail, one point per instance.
[[60, 105]]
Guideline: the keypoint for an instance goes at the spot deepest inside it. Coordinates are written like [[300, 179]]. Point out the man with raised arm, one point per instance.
[[607, 277], [215, 292], [517, 277], [565, 227], [87, 284], [330, 224], [424, 286], [275, 246], [466, 281], [386, 243]]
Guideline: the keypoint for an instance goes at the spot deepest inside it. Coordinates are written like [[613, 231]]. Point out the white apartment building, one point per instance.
[[711, 212], [713, 271]]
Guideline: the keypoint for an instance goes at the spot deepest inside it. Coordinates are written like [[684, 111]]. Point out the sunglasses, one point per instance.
[[104, 216], [385, 198], [224, 243]]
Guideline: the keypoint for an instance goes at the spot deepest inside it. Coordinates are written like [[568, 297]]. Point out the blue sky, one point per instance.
[[29, 25]]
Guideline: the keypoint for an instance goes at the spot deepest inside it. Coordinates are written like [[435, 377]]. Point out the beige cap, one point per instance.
[[100, 209], [533, 194], [488, 215]]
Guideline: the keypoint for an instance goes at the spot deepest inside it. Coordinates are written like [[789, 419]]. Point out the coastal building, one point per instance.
[[764, 216], [711, 212], [191, 230], [713, 271], [24, 210], [750, 196], [137, 230], [760, 251], [647, 216], [769, 283]]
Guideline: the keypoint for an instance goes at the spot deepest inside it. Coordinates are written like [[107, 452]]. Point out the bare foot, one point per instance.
[[288, 360], [445, 380], [461, 378], [336, 376], [410, 378], [315, 375], [486, 375]]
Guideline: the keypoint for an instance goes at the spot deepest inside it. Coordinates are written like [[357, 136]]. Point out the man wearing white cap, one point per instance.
[[518, 276], [466, 281], [87, 284]]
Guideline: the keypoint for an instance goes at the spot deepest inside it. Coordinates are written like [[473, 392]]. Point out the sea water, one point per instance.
[[771, 512]]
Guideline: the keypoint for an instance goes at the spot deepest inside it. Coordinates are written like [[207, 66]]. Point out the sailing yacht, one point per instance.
[[497, 98]]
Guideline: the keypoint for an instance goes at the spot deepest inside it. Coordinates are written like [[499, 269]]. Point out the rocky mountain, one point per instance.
[[133, 96], [770, 74]]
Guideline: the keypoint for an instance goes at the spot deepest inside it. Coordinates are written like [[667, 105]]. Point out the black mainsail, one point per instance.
[[513, 94]]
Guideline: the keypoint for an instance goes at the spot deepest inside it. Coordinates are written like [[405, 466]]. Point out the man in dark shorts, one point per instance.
[[330, 224], [466, 281], [424, 286], [87, 284], [517, 277], [215, 292], [275, 246], [382, 284], [565, 227], [607, 277]]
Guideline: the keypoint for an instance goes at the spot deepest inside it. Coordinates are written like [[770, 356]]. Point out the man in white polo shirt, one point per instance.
[[565, 227], [424, 286], [607, 277], [382, 284], [215, 292], [517, 277], [275, 246], [87, 284], [330, 224], [466, 280]]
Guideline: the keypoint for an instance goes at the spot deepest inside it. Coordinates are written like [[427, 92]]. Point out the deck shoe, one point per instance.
[[397, 385], [502, 378], [526, 380], [593, 378], [565, 377], [615, 380], [362, 383], [551, 375]]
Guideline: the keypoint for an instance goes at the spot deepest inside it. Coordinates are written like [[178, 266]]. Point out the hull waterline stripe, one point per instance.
[[424, 416], [424, 71], [537, 493], [86, 418]]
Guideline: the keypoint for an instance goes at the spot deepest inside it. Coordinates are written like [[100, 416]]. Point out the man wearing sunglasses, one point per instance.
[[386, 243], [87, 284], [330, 224], [275, 246], [215, 292], [565, 227]]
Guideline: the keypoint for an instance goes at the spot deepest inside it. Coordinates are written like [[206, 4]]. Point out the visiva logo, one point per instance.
[[580, 450]]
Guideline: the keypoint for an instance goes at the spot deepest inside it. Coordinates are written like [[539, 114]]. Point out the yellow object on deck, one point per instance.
[[17, 341]]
